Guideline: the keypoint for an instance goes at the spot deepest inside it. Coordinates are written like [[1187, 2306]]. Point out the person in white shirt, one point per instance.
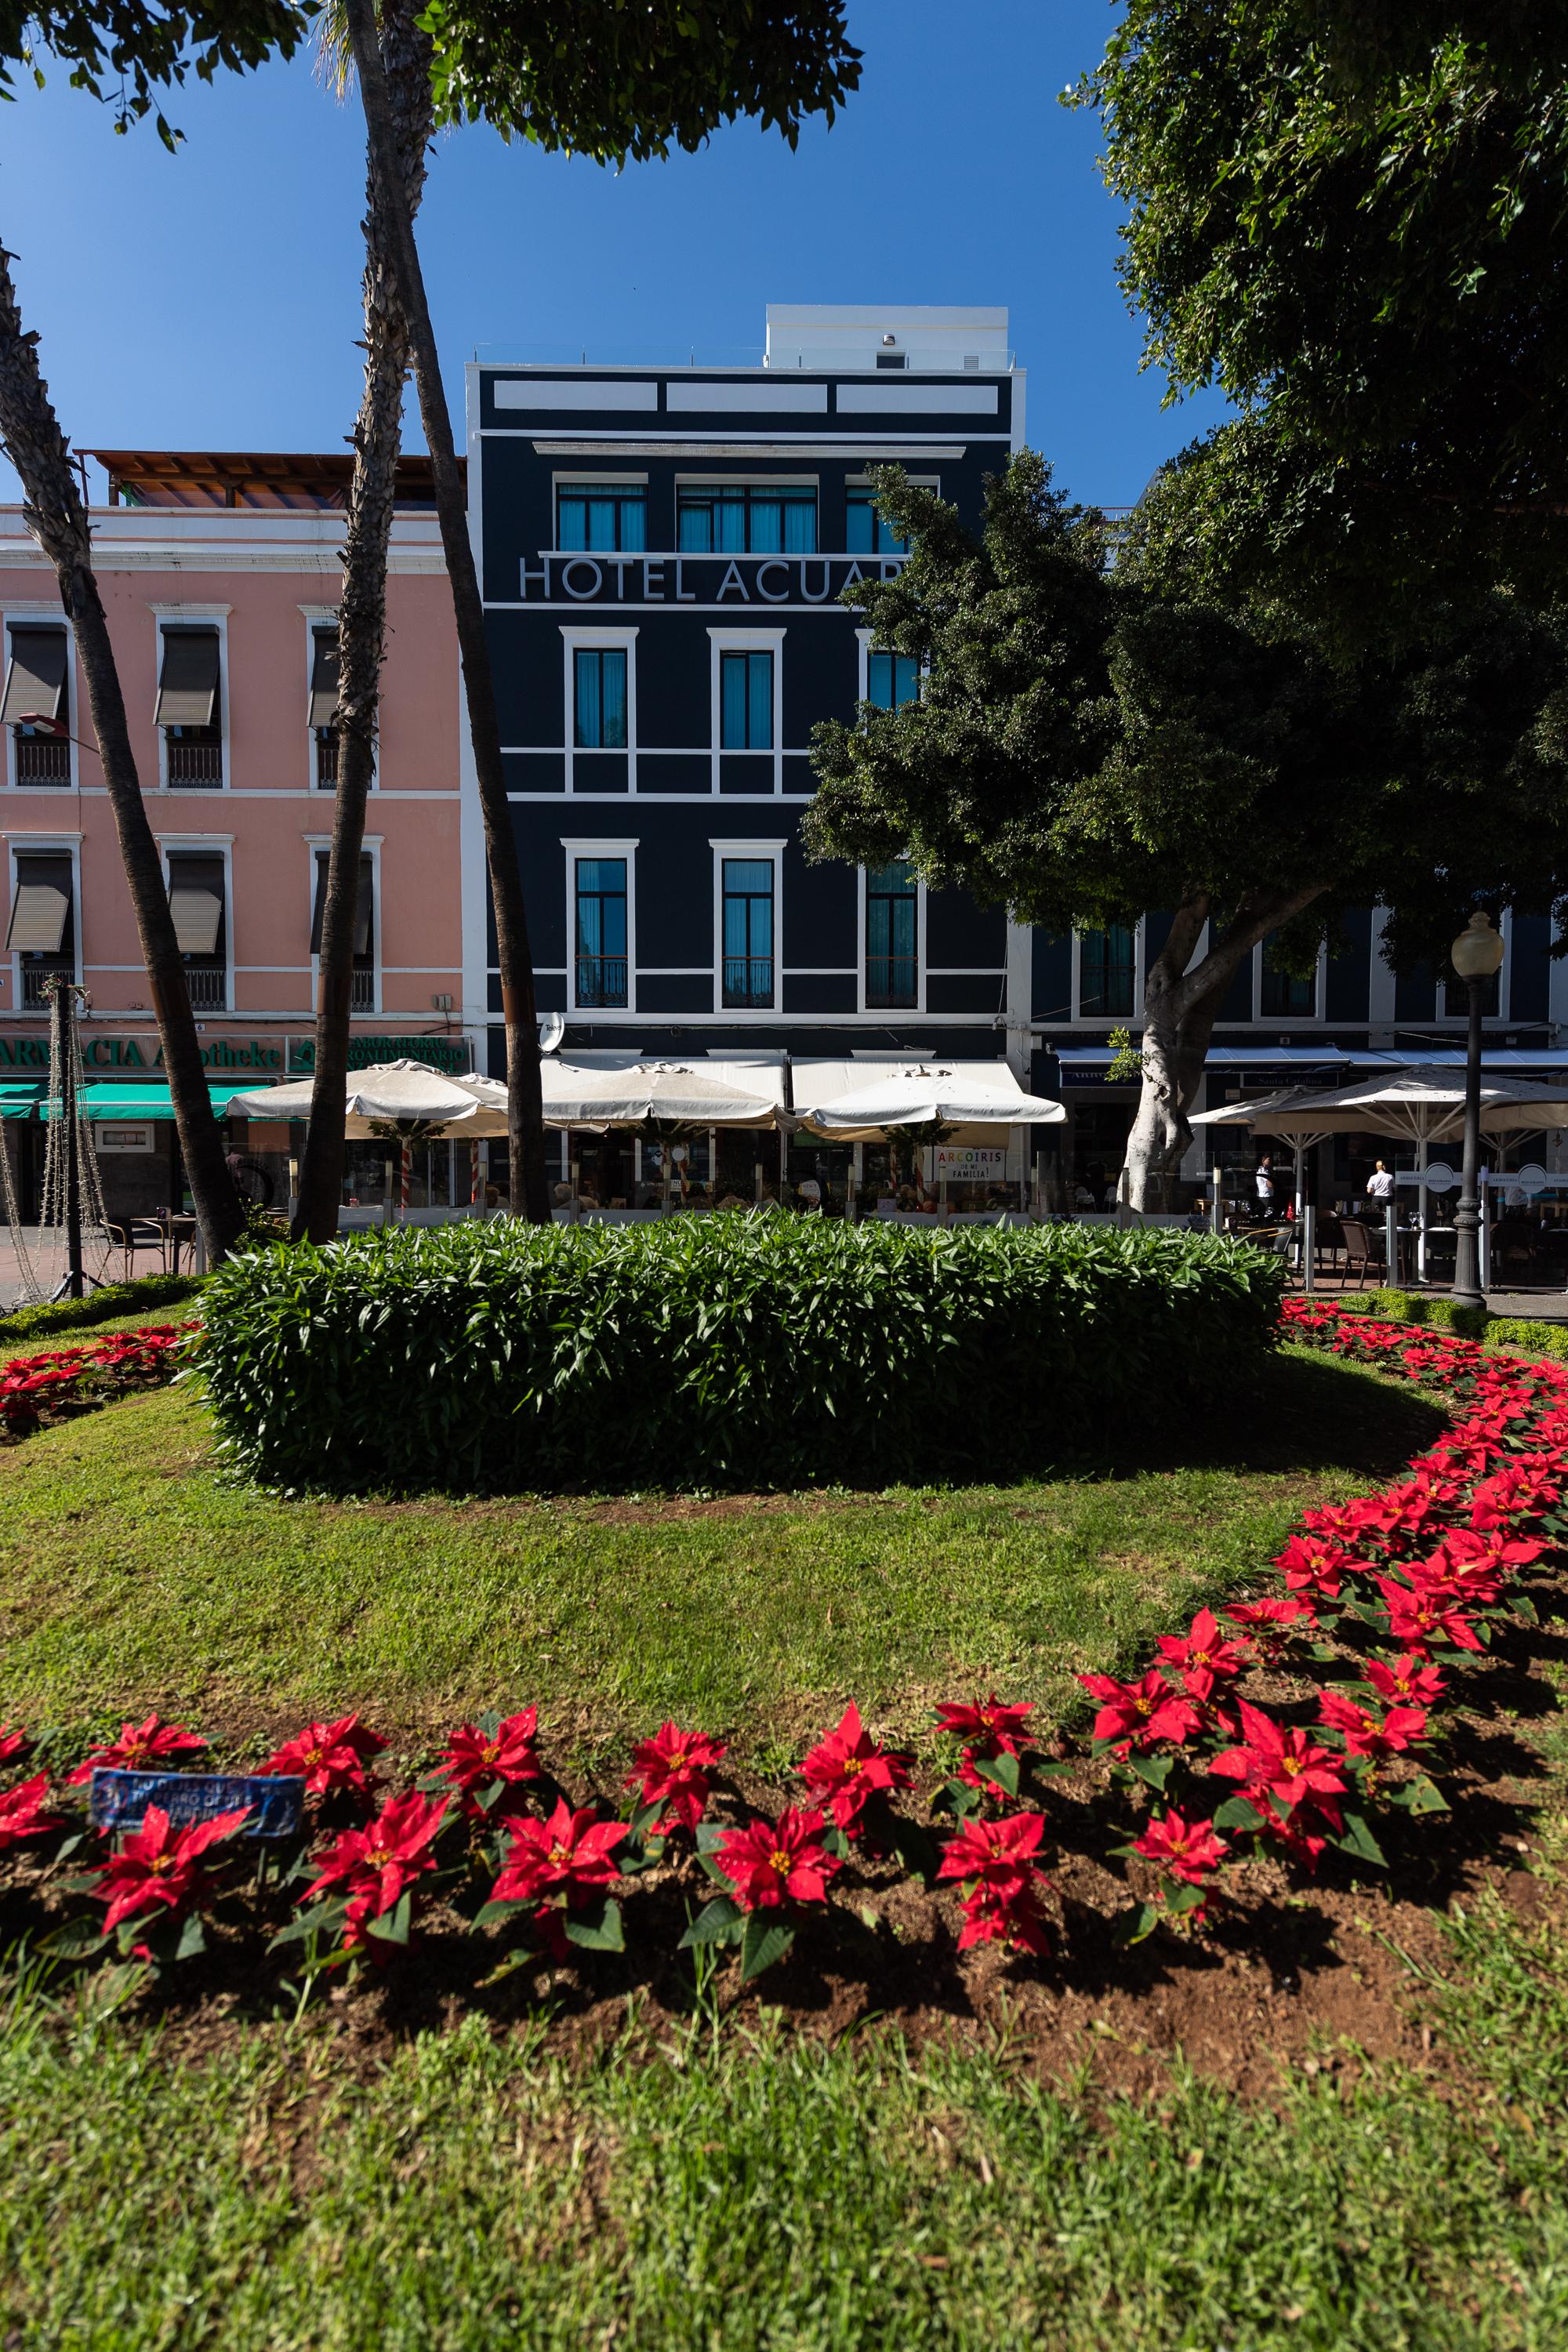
[[1379, 1185], [1263, 1185]]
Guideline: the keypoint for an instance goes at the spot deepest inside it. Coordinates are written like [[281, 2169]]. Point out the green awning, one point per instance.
[[115, 1098], [18, 1098]]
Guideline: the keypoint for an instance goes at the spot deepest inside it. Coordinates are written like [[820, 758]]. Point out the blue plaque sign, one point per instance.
[[119, 1800]]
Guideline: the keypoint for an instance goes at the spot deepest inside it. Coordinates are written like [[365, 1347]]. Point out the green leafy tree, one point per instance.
[[597, 79], [1090, 742], [130, 55]]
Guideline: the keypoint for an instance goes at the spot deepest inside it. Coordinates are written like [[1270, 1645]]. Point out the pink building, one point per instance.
[[220, 574]]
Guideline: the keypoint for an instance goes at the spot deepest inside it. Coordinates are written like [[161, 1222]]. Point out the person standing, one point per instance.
[[1263, 1187], [1380, 1186]]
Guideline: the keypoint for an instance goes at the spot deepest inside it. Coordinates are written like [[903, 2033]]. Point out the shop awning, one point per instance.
[[17, 1100], [114, 1098]]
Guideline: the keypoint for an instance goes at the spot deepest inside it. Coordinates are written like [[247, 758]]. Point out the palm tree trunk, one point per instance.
[[525, 1109], [56, 518], [362, 619]]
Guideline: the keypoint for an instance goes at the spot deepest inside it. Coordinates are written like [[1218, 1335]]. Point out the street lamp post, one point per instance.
[[1476, 954]]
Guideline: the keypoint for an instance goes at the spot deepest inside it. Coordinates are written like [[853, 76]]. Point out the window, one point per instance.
[[865, 532], [599, 698], [1281, 995], [187, 708], [601, 950], [892, 359], [35, 705], [593, 515], [42, 929], [748, 931], [734, 519], [892, 966], [892, 680], [1106, 972], [324, 704], [362, 985], [197, 903], [746, 702]]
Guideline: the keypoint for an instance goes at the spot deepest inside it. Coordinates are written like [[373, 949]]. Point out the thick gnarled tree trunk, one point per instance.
[[361, 616], [1181, 1005], [525, 1108], [55, 516]]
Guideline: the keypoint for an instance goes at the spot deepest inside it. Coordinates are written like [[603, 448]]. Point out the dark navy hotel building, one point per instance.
[[662, 550]]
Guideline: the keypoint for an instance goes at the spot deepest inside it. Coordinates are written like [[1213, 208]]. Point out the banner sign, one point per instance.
[[981, 1164], [119, 1800]]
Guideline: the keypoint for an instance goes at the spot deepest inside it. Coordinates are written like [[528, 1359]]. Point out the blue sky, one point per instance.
[[210, 301]]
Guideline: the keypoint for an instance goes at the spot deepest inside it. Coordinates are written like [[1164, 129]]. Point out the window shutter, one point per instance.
[[40, 907], [324, 678], [363, 906], [35, 677], [196, 902], [187, 683]]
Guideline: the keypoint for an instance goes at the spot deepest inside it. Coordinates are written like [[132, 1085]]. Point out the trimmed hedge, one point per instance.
[[749, 1350], [115, 1298], [1440, 1314]]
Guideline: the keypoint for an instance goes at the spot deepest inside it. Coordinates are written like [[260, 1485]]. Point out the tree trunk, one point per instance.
[[55, 516], [362, 618], [525, 1109], [1180, 1007]]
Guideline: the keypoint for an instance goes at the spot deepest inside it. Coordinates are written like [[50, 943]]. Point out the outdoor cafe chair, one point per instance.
[[138, 1233]]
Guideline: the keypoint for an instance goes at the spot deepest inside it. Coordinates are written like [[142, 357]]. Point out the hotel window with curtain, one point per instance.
[[892, 913], [36, 704], [891, 681], [599, 698], [865, 532], [187, 708], [591, 517], [740, 519], [600, 924], [748, 925], [1285, 995], [746, 702], [1107, 970]]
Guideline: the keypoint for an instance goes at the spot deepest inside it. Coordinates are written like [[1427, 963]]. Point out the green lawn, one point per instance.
[[132, 1574]]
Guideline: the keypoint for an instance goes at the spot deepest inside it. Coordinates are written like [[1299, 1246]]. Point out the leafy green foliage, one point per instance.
[[106, 1305], [757, 1350], [616, 82], [126, 51]]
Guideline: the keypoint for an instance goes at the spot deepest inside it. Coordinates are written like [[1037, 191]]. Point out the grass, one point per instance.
[[735, 2192], [132, 1574]]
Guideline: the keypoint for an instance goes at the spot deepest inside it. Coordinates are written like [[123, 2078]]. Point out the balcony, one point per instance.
[[194, 764], [362, 989], [42, 759], [601, 982], [36, 973], [892, 982], [208, 987], [326, 758], [748, 983]]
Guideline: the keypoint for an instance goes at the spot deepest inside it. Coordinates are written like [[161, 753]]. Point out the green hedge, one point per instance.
[[759, 1350], [1440, 1314], [105, 1306]]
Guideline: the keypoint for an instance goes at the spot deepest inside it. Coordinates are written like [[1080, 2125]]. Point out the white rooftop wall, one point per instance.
[[855, 335]]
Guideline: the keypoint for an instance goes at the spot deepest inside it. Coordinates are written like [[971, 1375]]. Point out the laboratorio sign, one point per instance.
[[271, 1057]]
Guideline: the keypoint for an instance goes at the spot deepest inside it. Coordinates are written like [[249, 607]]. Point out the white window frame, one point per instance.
[[771, 853], [319, 616], [592, 477], [209, 845], [863, 482], [745, 641], [370, 846], [32, 616], [54, 843], [887, 1011], [601, 846], [1455, 1007], [868, 647], [1108, 1021], [583, 637], [1291, 1020], [194, 616]]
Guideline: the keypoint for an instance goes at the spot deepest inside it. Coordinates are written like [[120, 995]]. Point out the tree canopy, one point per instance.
[[127, 51]]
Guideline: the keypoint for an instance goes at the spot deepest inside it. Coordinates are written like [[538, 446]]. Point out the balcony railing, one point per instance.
[[326, 758], [42, 759], [36, 975], [195, 763], [601, 980], [362, 990], [892, 981], [208, 986], [748, 983]]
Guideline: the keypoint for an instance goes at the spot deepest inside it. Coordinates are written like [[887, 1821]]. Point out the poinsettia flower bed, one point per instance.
[[36, 1389], [1302, 1730]]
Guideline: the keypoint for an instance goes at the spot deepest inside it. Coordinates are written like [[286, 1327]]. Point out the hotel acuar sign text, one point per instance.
[[717, 581]]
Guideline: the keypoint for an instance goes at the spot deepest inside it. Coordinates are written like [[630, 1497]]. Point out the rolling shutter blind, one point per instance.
[[187, 683], [361, 910], [35, 677], [324, 678], [41, 906], [196, 902]]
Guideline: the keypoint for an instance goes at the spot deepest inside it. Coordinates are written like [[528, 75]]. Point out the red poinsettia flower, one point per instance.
[[1202, 1655], [1139, 1715], [389, 1853], [22, 1813], [842, 1770], [158, 1866], [473, 1758], [673, 1769], [768, 1863], [1011, 1919], [138, 1749], [330, 1757], [13, 1741], [1189, 1850], [1416, 1620], [989, 1729], [1270, 1622], [1312, 1564], [996, 1862], [1271, 1761], [1372, 1735], [1410, 1680], [572, 1853]]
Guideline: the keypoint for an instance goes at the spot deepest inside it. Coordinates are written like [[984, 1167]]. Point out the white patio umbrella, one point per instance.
[[388, 1093], [926, 1094], [1420, 1102], [676, 1094]]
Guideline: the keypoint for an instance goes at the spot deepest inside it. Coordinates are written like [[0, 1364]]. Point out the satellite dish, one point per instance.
[[551, 1029]]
